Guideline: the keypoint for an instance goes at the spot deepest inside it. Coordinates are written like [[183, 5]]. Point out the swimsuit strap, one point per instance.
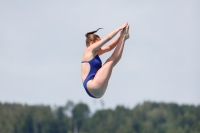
[[91, 59], [84, 61]]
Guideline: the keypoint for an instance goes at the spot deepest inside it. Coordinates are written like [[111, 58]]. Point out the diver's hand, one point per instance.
[[127, 36], [125, 32], [123, 25]]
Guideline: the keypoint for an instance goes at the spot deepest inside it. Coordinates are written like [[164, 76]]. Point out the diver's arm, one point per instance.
[[108, 47], [96, 46]]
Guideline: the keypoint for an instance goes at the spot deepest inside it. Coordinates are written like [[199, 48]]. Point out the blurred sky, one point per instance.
[[42, 42]]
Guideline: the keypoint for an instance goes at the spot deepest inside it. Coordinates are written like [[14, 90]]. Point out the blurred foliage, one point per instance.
[[149, 117]]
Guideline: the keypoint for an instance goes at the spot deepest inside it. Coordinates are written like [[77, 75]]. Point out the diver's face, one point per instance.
[[92, 42]]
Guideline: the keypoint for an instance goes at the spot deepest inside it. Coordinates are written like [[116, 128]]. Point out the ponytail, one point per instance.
[[92, 32], [90, 36]]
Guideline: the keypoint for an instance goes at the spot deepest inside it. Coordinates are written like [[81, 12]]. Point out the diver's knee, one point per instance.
[[113, 60]]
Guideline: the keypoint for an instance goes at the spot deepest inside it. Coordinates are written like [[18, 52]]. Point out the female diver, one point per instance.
[[95, 76]]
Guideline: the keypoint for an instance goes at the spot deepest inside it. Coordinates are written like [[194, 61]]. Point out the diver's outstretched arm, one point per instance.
[[96, 46], [109, 47]]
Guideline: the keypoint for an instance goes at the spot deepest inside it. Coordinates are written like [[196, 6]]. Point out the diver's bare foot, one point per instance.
[[126, 32]]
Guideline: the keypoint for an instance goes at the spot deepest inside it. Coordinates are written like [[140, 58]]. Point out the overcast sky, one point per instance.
[[42, 42]]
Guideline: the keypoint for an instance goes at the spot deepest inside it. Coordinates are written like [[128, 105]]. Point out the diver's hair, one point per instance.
[[90, 36]]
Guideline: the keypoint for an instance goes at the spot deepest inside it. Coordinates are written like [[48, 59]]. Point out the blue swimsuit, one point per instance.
[[95, 65]]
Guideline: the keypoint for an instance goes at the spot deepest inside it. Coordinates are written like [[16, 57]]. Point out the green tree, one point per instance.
[[80, 114]]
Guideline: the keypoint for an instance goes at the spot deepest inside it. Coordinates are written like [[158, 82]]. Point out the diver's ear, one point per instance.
[[91, 42]]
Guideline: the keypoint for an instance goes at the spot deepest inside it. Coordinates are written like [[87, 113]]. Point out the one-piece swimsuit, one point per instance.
[[95, 65]]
